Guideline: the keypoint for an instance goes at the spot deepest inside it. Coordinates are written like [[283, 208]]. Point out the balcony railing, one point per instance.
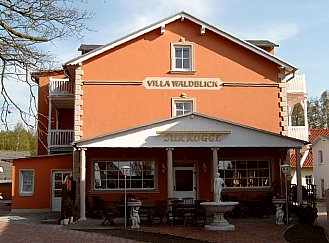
[[60, 87], [297, 84], [61, 138], [299, 132]]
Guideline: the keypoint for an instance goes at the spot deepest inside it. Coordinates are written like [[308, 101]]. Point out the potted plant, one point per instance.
[[306, 214]]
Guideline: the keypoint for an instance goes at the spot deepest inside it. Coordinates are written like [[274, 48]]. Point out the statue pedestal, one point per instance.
[[219, 223]]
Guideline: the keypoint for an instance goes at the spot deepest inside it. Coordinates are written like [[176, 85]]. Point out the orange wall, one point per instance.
[[108, 108], [43, 167], [149, 55], [6, 188]]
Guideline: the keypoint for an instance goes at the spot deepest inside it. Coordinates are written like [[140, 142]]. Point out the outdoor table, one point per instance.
[[147, 209], [183, 213]]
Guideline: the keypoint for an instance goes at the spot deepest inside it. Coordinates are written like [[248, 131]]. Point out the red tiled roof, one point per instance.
[[314, 133], [307, 163]]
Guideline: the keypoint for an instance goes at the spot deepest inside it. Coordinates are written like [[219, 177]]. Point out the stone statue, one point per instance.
[[279, 215], [135, 219], [218, 186]]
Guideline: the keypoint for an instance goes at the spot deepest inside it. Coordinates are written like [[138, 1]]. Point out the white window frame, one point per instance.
[[174, 101], [245, 177], [189, 70], [119, 180], [23, 192], [320, 157], [308, 178]]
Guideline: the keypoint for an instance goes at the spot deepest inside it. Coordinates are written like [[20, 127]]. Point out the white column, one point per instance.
[[170, 172], [214, 165], [82, 184], [299, 176], [49, 123]]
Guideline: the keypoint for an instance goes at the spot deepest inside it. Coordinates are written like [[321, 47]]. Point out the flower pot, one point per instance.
[[66, 221]]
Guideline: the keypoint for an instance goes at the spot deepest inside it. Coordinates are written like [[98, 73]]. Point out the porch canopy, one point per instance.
[[186, 131], [190, 130]]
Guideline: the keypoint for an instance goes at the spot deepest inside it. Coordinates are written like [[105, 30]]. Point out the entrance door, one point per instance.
[[184, 182], [58, 178]]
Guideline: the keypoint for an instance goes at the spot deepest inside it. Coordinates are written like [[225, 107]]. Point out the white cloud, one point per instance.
[[276, 32], [281, 32], [130, 15]]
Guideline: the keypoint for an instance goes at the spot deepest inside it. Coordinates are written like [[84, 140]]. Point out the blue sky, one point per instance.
[[300, 27]]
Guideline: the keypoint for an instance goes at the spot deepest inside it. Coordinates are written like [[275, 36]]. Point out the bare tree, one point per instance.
[[24, 26]]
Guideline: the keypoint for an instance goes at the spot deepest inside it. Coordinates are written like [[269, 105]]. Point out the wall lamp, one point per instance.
[[204, 167], [163, 168]]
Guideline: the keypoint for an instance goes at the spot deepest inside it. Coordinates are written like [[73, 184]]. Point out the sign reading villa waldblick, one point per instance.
[[182, 83]]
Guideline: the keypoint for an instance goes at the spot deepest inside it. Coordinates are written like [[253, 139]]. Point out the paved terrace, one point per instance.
[[29, 228]]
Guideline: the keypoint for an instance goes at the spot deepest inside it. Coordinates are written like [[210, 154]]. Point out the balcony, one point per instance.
[[60, 140], [61, 92], [299, 132], [296, 90]]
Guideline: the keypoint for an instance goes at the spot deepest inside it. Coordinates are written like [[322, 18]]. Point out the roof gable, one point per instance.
[[191, 130], [308, 162], [203, 28], [314, 133]]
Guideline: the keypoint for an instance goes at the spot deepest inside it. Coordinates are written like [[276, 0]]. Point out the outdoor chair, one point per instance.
[[98, 211], [90, 210], [200, 212], [159, 211], [109, 212], [188, 200], [144, 212], [178, 215]]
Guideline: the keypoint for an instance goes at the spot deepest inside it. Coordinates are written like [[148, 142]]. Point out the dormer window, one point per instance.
[[182, 57]]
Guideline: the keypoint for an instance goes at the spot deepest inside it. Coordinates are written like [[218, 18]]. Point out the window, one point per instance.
[[245, 173], [308, 179], [182, 106], [182, 57], [320, 156], [26, 182], [107, 175]]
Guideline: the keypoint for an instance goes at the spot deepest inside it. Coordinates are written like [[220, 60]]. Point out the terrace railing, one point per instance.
[[60, 87], [60, 138], [297, 84], [299, 132]]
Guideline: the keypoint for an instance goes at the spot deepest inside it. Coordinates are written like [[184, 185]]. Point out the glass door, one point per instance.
[[184, 182]]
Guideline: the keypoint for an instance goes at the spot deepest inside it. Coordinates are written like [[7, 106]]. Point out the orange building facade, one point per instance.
[[177, 102]]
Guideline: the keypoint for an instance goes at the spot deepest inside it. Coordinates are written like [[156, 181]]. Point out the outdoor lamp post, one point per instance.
[[286, 171], [126, 171]]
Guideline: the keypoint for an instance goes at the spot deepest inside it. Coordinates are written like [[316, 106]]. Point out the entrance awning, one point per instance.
[[191, 130]]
